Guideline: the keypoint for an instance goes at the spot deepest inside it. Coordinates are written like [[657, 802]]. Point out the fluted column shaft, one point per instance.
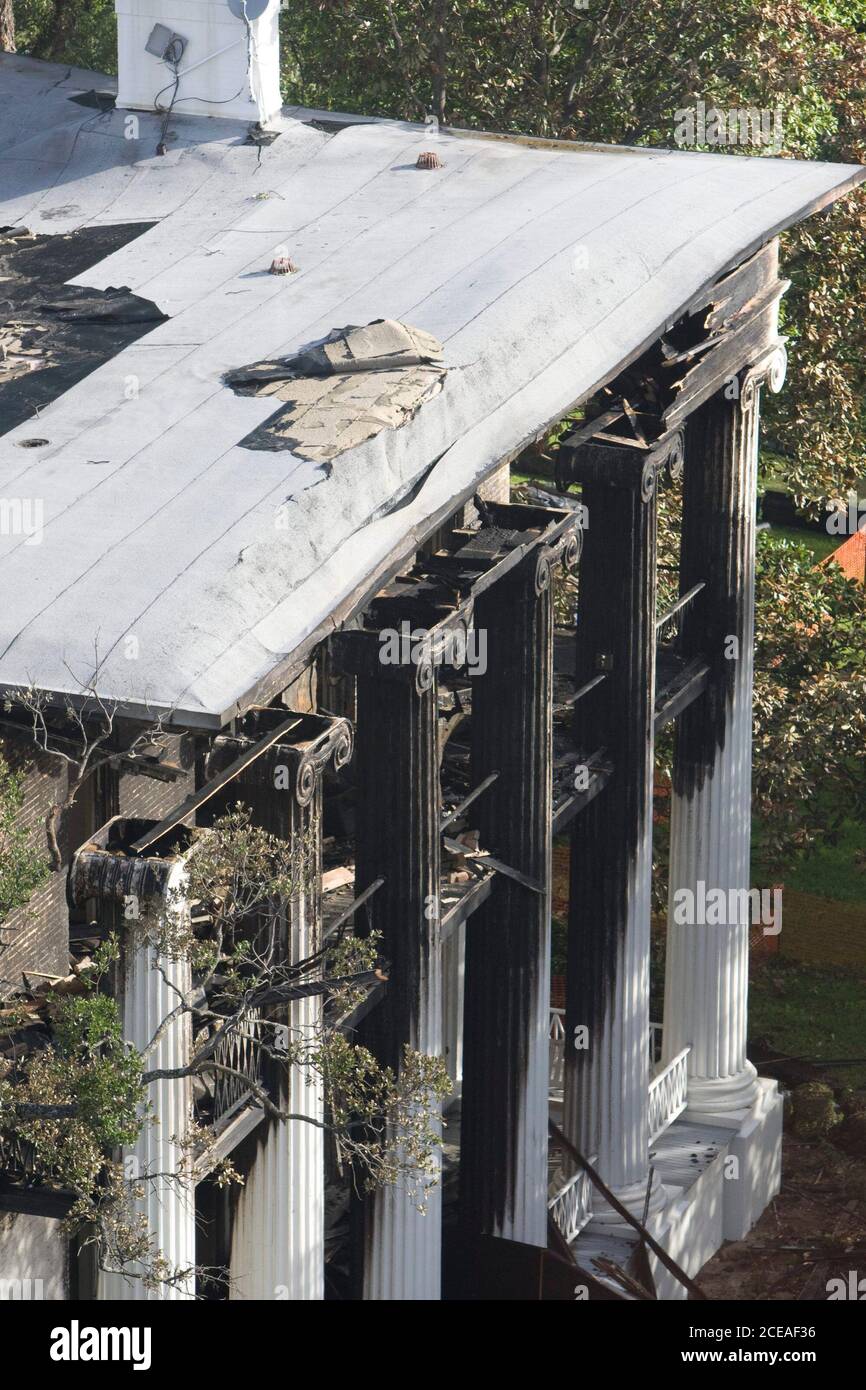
[[707, 962], [607, 1000], [399, 837], [152, 983], [503, 1160], [278, 1230]]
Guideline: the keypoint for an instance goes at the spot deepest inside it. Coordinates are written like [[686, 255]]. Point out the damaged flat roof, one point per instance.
[[193, 565]]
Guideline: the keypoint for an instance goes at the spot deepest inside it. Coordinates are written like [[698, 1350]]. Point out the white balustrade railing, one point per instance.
[[556, 1062], [667, 1094], [571, 1204], [667, 1090]]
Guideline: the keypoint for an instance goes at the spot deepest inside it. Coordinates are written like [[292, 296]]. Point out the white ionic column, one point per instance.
[[453, 973], [399, 841], [278, 1236], [606, 1110], [305, 1160], [152, 985], [706, 978], [278, 1228], [503, 1154]]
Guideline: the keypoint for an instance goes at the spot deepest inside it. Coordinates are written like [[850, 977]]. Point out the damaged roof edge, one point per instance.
[[291, 666], [284, 671], [223, 640]]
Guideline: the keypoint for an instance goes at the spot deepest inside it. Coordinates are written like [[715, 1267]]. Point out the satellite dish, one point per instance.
[[253, 8]]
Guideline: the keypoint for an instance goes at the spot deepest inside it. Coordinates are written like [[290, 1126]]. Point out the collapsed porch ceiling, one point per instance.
[[180, 566]]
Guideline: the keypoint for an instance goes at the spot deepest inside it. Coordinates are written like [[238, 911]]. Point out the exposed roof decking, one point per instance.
[[156, 524]]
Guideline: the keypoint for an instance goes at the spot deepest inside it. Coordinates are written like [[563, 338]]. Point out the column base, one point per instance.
[[709, 1201], [711, 1095], [757, 1148], [605, 1220]]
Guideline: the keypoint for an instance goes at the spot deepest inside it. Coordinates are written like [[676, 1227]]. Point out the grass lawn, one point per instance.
[[812, 1012], [829, 871], [835, 871], [819, 542]]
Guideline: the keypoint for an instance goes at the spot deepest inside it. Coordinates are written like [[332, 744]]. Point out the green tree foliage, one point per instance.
[[22, 867], [82, 33], [810, 698], [80, 1095]]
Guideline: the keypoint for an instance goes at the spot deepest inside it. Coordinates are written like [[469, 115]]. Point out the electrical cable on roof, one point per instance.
[[171, 58]]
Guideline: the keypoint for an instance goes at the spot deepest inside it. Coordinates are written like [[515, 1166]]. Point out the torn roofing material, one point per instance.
[[343, 391], [52, 334], [540, 270]]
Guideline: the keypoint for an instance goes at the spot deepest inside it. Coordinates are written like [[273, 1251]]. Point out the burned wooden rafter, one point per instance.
[[289, 993], [460, 908], [682, 602], [468, 800], [156, 768], [317, 740], [734, 321], [440, 591], [482, 856], [225, 1137], [353, 1020], [730, 295], [599, 769], [742, 341], [584, 690], [680, 682], [349, 912]]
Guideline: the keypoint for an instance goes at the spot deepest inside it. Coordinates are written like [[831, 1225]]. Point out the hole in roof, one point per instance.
[[53, 333], [31, 443]]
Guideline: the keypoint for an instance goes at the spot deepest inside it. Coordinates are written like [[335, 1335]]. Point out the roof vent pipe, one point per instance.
[[200, 57]]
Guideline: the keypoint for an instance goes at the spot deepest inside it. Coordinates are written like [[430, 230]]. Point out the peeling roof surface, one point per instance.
[[540, 270], [336, 396]]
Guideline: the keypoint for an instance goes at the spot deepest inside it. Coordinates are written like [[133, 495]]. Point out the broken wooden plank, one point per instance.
[[468, 800], [742, 344], [196, 799], [733, 292], [682, 692]]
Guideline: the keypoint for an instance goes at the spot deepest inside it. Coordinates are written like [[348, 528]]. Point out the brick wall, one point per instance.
[[150, 799], [36, 937]]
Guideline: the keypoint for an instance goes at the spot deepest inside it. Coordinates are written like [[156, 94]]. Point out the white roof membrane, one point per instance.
[[540, 270]]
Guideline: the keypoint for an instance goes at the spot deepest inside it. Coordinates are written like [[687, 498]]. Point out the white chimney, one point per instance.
[[223, 54]]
